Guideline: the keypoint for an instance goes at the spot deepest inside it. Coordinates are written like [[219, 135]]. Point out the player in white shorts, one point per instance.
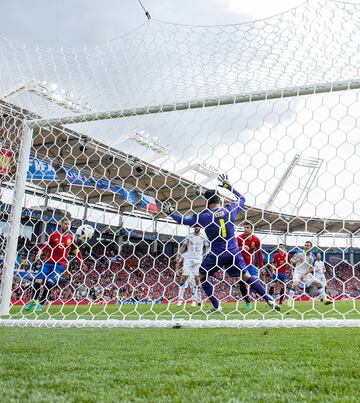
[[303, 273], [192, 252], [320, 270]]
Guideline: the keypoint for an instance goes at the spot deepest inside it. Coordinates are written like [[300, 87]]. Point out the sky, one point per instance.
[[78, 22]]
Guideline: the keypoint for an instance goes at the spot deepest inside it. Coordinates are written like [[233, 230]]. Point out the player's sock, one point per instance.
[[271, 291], [256, 285], [209, 291], [44, 295], [321, 291], [291, 294], [37, 290], [195, 292], [182, 287], [244, 292], [282, 295]]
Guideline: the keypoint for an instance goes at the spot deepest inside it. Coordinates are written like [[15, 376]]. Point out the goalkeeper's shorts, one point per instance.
[[233, 264]]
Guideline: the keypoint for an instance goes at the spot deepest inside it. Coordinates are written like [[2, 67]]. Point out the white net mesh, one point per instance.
[[156, 116]]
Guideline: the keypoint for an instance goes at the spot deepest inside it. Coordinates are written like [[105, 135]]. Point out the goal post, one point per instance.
[[15, 220]]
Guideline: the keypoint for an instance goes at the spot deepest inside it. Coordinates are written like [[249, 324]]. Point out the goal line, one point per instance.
[[188, 324]]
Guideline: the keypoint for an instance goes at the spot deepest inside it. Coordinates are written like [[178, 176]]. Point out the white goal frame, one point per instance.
[[19, 193]]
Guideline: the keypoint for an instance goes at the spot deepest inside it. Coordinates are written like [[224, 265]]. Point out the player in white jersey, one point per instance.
[[303, 273], [320, 270], [192, 252]]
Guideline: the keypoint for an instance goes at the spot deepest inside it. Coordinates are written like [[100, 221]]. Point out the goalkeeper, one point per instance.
[[219, 225]]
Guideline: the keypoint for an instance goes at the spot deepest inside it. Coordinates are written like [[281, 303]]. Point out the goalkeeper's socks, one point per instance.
[[209, 291], [271, 291], [182, 287], [256, 285], [244, 292]]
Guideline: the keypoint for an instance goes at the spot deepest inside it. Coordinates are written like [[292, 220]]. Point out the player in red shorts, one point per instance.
[[56, 250], [280, 266], [249, 245]]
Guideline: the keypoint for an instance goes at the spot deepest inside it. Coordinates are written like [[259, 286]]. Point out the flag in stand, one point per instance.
[[148, 203], [6, 157]]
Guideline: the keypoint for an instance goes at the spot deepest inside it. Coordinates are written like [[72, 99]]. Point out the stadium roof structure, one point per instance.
[[101, 161]]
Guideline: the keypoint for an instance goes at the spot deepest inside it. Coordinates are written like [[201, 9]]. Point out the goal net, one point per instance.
[[106, 147]]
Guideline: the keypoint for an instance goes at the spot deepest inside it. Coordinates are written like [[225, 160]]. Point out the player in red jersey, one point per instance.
[[249, 245], [280, 267], [56, 250]]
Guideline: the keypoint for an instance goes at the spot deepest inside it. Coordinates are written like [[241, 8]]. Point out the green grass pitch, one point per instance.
[[181, 365], [349, 309]]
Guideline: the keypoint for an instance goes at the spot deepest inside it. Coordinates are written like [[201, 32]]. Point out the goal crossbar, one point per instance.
[[200, 103]]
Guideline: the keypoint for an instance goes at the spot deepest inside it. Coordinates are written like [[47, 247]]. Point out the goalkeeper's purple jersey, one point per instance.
[[219, 224]]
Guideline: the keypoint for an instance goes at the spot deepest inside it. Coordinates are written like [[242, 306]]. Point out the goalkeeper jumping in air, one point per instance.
[[219, 225]]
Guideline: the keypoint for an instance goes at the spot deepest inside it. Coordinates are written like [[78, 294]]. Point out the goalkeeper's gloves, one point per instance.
[[167, 208], [224, 181]]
